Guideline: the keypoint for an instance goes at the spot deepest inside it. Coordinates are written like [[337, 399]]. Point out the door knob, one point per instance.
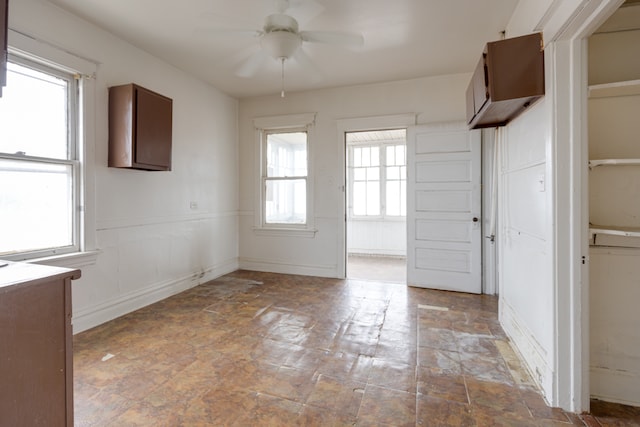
[[475, 219]]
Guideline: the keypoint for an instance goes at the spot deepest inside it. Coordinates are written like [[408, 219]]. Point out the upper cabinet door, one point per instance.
[[153, 129]]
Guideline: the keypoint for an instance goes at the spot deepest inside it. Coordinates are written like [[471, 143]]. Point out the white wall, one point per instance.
[[151, 243], [436, 99], [617, 55], [525, 242], [377, 237]]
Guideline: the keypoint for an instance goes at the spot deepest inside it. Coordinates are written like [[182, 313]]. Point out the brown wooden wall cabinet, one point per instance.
[[4, 29], [508, 78], [140, 128], [36, 356]]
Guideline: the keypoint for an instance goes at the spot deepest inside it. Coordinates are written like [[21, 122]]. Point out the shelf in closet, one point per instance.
[[614, 230], [614, 236], [624, 88], [613, 162]]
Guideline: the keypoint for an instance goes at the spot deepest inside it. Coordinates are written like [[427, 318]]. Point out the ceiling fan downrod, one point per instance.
[[282, 91]]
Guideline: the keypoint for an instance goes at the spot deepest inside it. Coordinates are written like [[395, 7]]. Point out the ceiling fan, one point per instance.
[[281, 39]]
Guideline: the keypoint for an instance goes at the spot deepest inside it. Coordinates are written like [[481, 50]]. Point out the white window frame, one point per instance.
[[71, 160], [84, 70], [382, 179], [283, 124]]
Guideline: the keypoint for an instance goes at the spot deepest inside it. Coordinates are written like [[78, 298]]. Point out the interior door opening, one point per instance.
[[376, 205]]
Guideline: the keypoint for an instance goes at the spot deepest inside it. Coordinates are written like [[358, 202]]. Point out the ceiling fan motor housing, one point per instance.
[[281, 44], [280, 22], [281, 39]]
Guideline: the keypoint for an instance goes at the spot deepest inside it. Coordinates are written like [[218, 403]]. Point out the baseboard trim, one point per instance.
[[283, 267], [528, 348], [93, 316], [615, 386]]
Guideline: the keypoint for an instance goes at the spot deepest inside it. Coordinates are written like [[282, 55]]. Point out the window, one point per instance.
[[378, 173], [39, 164], [366, 181], [396, 180], [285, 178], [285, 204]]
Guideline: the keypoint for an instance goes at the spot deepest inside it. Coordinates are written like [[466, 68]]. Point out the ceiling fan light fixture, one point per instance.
[[281, 44]]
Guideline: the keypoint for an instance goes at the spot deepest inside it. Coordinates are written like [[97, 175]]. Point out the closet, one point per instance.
[[614, 207]]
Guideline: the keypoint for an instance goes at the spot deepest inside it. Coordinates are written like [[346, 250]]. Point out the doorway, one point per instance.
[[613, 105], [376, 177]]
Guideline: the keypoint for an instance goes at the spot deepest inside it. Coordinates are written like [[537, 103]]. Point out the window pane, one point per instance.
[[373, 174], [33, 114], [393, 198], [373, 198], [287, 154], [401, 158], [357, 157], [393, 172], [366, 156], [396, 155], [391, 155], [375, 156], [36, 209], [360, 174], [286, 201], [359, 198]]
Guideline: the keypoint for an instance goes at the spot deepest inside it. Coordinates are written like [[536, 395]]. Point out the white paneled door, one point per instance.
[[443, 208]]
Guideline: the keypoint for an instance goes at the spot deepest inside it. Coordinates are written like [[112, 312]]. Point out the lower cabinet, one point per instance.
[[36, 357]]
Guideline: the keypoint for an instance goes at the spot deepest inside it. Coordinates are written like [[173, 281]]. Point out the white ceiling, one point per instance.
[[404, 39]]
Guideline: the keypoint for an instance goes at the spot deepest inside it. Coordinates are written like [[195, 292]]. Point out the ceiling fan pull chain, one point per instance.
[[282, 92]]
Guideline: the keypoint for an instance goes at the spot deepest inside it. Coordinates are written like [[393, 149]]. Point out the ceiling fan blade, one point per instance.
[[252, 64], [333, 37], [310, 68]]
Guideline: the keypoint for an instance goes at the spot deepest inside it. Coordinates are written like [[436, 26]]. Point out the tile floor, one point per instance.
[[261, 349]]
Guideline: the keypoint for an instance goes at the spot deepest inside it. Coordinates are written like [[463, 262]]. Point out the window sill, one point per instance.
[[72, 260], [285, 232]]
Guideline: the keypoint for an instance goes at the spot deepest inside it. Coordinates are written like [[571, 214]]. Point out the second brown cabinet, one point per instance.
[[140, 128], [508, 78]]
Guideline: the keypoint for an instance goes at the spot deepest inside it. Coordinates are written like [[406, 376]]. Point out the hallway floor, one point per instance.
[[379, 268], [261, 349]]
